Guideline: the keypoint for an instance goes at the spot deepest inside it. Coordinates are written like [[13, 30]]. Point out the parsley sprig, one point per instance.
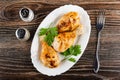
[[72, 51], [49, 33]]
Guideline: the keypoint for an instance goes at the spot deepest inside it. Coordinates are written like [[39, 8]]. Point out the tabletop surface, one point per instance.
[[15, 61]]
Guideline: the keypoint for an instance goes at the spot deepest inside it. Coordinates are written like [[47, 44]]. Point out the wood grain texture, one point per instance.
[[15, 62]]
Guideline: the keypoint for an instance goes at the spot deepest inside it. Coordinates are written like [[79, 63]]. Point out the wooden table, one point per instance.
[[15, 61]]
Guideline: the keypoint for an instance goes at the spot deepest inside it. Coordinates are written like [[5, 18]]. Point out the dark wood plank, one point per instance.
[[15, 62]]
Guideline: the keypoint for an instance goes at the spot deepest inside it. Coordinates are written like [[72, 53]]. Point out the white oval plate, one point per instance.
[[54, 16]]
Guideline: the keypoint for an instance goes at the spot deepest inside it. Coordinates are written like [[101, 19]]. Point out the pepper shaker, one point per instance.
[[22, 34]]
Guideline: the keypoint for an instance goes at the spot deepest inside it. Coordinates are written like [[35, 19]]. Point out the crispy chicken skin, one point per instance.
[[63, 41], [68, 22], [48, 56]]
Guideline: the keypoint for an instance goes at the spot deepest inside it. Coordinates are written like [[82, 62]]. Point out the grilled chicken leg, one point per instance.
[[48, 56], [68, 22], [64, 41]]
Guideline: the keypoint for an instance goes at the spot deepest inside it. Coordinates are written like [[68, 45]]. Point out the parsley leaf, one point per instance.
[[43, 31], [53, 31], [72, 59], [72, 51], [75, 50], [49, 33], [66, 53]]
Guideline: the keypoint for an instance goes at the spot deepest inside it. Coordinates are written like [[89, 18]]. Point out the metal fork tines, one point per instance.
[[99, 25]]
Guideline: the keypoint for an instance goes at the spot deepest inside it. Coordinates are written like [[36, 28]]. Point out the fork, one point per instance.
[[99, 26]]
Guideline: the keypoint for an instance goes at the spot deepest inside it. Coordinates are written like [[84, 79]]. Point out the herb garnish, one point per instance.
[[72, 51], [49, 33]]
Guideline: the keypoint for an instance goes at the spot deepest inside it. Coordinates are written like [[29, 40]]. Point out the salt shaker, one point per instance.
[[26, 14]]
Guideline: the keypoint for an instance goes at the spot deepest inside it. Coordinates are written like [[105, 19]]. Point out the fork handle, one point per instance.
[[97, 62]]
